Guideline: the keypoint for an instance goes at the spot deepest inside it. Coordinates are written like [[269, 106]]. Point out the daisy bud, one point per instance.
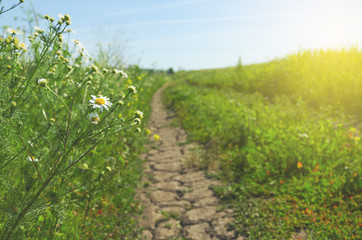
[[93, 117], [42, 82], [66, 17], [13, 103], [94, 68], [120, 102], [137, 121], [139, 114], [132, 89]]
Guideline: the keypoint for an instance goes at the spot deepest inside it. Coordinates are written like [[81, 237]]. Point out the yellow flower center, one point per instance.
[[94, 119], [100, 101]]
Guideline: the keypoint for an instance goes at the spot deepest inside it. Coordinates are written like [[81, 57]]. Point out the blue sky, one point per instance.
[[199, 34]]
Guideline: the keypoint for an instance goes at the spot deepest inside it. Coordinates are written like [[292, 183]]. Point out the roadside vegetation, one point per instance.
[[286, 136], [71, 130]]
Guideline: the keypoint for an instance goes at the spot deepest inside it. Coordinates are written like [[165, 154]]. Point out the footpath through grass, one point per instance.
[[285, 135]]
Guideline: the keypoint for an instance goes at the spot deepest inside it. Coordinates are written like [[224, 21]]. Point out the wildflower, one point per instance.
[[42, 82], [66, 17], [137, 121], [282, 181], [148, 132], [93, 117], [120, 102], [100, 102], [32, 159], [132, 89], [139, 114], [352, 129], [299, 164], [156, 137], [70, 30], [11, 31], [84, 166], [303, 135], [121, 72], [61, 16], [357, 138], [38, 29], [23, 46], [94, 68]]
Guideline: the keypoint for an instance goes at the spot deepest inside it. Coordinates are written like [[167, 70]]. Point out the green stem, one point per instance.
[[65, 105]]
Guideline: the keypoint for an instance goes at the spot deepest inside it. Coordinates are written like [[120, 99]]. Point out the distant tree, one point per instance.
[[170, 71]]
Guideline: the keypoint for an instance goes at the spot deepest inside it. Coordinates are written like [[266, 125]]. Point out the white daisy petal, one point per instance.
[[100, 102]]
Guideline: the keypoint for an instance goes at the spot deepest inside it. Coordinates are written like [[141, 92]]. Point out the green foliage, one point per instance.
[[71, 134], [282, 143]]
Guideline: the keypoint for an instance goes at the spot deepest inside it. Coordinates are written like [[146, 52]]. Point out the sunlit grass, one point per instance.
[[287, 139]]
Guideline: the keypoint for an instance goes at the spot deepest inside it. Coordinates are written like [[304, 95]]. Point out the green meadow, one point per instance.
[[285, 137]]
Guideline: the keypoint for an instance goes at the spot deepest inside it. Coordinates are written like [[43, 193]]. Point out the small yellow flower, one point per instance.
[[357, 138], [352, 130], [148, 132], [156, 137]]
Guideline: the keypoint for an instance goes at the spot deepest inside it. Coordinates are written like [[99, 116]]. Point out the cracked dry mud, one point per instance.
[[178, 202]]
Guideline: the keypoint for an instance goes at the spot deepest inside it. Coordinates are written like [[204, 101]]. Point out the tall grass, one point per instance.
[[71, 132]]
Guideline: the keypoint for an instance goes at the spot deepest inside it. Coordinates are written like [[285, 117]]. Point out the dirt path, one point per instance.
[[178, 203]]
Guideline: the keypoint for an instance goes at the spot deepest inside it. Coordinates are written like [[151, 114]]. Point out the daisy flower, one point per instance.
[[93, 117], [139, 114], [11, 31], [100, 102], [38, 29], [42, 82], [132, 89], [32, 159], [121, 72]]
